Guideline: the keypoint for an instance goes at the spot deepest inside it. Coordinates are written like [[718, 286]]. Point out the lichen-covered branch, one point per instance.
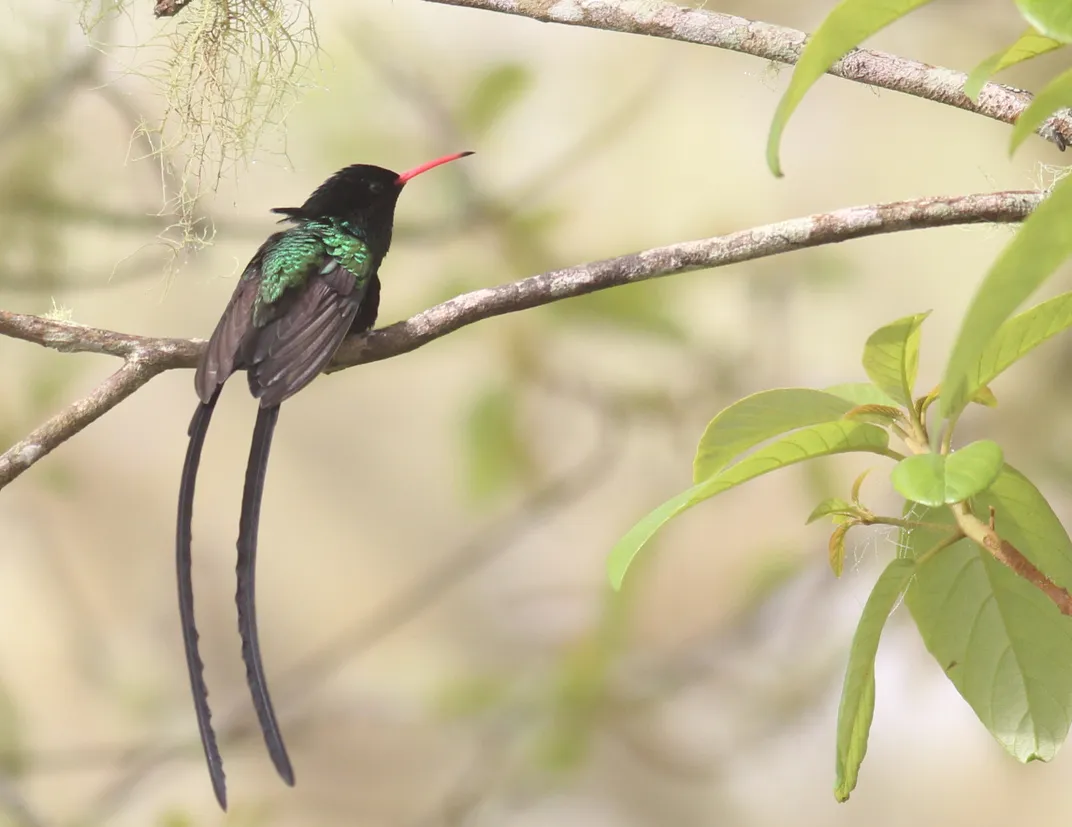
[[782, 45], [147, 356], [71, 337]]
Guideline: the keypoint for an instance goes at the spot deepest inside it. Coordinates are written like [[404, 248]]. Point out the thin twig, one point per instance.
[[159, 354], [900, 522], [781, 45]]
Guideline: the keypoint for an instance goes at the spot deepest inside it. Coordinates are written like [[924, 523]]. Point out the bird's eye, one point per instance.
[[375, 187]]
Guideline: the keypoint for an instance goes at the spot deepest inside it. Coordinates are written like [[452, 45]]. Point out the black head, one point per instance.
[[361, 194]]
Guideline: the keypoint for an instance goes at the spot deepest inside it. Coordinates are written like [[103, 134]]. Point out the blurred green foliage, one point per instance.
[[496, 91], [13, 759], [496, 450], [633, 308]]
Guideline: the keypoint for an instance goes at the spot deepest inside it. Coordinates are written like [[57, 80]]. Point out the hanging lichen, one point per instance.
[[227, 75]]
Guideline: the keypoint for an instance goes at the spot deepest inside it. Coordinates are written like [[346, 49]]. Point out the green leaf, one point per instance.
[[884, 415], [495, 92], [972, 469], [1057, 94], [891, 357], [1041, 245], [857, 484], [759, 417], [1024, 518], [495, 447], [626, 549], [862, 393], [828, 507], [1031, 44], [858, 692], [920, 478], [817, 441], [1051, 17], [1017, 337], [934, 479], [1000, 640], [836, 548], [848, 25]]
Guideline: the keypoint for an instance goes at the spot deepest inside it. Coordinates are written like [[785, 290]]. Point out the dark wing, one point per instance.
[[304, 332], [231, 339]]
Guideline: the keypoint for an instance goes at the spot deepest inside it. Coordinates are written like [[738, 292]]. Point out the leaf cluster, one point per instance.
[[985, 566]]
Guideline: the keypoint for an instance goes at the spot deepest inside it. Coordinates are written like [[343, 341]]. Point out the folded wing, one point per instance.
[[234, 331], [302, 336], [284, 345]]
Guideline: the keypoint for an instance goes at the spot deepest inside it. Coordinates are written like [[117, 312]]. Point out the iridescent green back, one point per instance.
[[304, 250]]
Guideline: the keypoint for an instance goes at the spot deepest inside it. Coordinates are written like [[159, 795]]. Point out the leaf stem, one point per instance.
[[947, 435], [951, 539], [987, 538], [900, 522]]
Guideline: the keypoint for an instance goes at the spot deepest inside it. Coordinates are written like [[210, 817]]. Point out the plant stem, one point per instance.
[[952, 538], [901, 522]]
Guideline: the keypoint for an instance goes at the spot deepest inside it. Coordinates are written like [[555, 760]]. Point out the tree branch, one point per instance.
[[781, 45], [146, 356], [68, 422], [71, 337]]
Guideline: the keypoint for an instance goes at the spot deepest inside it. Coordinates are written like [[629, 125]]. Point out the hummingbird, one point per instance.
[[306, 288]]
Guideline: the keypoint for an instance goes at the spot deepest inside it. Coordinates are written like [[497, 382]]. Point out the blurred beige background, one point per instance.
[[522, 694]]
